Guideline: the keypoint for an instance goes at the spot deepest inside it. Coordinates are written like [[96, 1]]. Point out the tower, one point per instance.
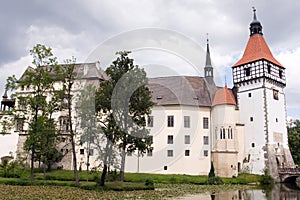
[[208, 69], [227, 134], [260, 80]]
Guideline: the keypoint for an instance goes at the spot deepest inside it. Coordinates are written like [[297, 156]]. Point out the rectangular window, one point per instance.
[[187, 139], [64, 124], [205, 153], [275, 94], [170, 121], [150, 121], [187, 153], [19, 124], [150, 139], [249, 94], [251, 119], [186, 121], [248, 71], [170, 139], [205, 122], [149, 153], [170, 153], [269, 68], [22, 103], [81, 151], [280, 73], [205, 140], [91, 152]]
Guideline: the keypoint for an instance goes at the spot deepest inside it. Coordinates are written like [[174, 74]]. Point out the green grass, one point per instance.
[[178, 178], [60, 185], [68, 176]]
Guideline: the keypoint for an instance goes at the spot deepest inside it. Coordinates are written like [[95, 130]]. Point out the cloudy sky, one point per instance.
[[166, 37]]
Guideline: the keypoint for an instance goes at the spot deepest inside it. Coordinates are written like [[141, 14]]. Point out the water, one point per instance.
[[277, 192]]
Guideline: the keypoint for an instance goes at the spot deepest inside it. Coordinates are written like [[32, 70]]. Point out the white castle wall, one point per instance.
[[196, 163]]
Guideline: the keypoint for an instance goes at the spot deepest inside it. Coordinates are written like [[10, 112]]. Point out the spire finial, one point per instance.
[[225, 81], [254, 13], [255, 26], [207, 40], [5, 96]]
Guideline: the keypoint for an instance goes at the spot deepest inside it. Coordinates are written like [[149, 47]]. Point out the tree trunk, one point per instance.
[[105, 161], [87, 166], [122, 170], [32, 165], [74, 162], [44, 171], [103, 175]]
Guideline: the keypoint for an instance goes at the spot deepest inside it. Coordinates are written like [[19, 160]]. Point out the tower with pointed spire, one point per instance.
[[208, 69], [260, 80]]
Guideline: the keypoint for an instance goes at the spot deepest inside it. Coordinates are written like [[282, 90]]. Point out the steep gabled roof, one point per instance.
[[223, 96], [89, 71], [180, 90]]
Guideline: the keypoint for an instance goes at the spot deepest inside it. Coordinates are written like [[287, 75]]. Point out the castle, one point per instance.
[[194, 122]]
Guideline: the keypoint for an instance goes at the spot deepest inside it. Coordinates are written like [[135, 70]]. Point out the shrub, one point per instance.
[[266, 178], [149, 183], [112, 176], [212, 178], [216, 180]]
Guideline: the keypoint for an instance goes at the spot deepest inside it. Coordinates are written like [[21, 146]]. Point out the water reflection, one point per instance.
[[277, 192]]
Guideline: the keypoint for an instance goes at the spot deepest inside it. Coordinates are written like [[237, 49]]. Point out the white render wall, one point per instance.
[[196, 163], [269, 121], [227, 153], [8, 143], [276, 115], [254, 130]]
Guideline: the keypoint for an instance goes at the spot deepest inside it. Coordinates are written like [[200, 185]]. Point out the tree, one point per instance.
[[294, 140], [212, 178], [33, 107], [67, 77], [125, 101], [87, 120], [211, 173]]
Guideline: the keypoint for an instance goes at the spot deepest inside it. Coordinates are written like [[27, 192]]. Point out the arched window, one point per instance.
[[230, 135], [222, 133]]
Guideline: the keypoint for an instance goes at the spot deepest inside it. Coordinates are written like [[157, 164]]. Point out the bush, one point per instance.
[[216, 180], [266, 178], [149, 183], [112, 176]]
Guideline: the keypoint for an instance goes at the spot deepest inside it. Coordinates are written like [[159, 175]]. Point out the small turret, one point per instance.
[[208, 69], [255, 26]]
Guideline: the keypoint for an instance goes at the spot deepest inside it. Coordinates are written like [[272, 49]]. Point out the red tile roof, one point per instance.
[[257, 49], [223, 96]]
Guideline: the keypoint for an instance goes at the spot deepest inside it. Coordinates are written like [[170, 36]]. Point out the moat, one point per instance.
[[278, 191]]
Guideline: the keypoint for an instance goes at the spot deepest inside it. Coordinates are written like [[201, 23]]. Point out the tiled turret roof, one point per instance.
[[223, 96], [257, 49]]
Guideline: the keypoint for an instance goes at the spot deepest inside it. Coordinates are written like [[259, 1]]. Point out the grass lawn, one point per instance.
[[59, 184]]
